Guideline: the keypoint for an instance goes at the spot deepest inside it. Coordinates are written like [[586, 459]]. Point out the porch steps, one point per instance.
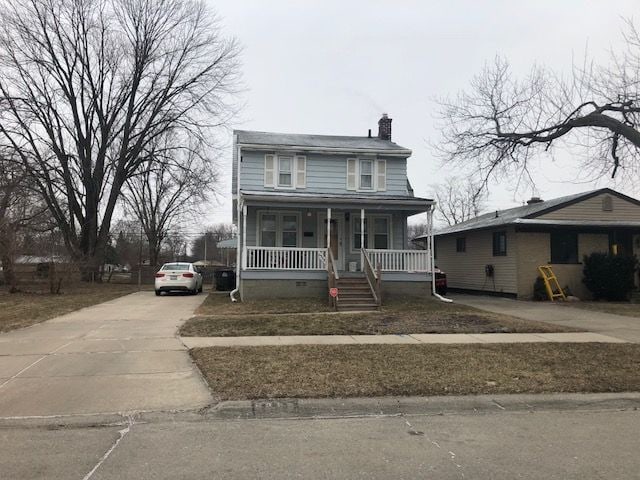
[[355, 295]]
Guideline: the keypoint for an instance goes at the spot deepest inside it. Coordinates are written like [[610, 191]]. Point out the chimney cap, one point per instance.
[[533, 200]]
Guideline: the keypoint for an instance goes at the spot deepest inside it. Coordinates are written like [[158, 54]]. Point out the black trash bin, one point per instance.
[[225, 279]]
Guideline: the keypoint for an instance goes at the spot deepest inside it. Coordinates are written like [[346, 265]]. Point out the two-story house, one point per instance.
[[316, 212]]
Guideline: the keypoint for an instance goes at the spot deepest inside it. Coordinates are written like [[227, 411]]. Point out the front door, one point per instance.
[[336, 239]]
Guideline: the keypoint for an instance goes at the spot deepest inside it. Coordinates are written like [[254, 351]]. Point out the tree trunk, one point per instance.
[[10, 278]]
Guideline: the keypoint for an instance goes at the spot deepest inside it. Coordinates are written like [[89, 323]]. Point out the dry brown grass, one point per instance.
[[22, 309], [304, 371], [218, 303], [403, 316], [618, 308]]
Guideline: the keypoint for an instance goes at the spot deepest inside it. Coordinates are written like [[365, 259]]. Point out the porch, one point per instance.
[[310, 247]]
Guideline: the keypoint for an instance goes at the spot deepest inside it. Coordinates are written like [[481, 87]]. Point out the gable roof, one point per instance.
[[335, 143], [525, 213]]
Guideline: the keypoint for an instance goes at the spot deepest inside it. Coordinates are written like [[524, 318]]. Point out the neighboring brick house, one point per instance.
[[499, 252], [316, 211]]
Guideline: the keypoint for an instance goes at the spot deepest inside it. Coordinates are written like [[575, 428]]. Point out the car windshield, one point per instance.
[[175, 266]]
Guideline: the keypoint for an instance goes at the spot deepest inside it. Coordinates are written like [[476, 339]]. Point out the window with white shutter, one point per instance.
[[352, 177], [269, 170], [382, 175], [301, 172]]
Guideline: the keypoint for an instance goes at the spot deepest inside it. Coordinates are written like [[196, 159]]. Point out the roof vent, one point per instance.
[[533, 200], [497, 213]]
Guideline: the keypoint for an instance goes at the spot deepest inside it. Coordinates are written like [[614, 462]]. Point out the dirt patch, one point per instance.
[[304, 371], [18, 310], [219, 303], [384, 323]]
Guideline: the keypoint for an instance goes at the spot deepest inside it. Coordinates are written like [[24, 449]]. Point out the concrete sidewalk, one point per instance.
[[618, 326], [437, 338], [122, 355]]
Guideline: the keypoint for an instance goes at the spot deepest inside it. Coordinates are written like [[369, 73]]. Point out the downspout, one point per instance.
[[430, 240], [239, 209]]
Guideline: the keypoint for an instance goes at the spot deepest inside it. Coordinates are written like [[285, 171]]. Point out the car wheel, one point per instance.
[[157, 293]]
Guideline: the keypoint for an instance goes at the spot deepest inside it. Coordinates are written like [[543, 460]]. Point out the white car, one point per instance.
[[178, 276]]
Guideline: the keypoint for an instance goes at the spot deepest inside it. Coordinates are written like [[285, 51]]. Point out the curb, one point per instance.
[[398, 406]]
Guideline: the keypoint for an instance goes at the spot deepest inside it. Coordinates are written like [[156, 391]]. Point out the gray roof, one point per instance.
[[228, 243], [308, 142], [525, 214], [327, 199]]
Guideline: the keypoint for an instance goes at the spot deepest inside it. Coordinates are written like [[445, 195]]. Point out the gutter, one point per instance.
[[433, 263], [238, 207], [298, 148]]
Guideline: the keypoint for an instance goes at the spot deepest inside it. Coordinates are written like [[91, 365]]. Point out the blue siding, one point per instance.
[[325, 174]]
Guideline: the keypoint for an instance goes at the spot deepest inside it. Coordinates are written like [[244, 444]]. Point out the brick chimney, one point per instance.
[[384, 127]]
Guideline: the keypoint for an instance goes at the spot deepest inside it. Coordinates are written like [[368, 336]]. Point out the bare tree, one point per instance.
[[212, 235], [87, 85], [172, 188], [458, 200], [20, 210], [501, 123]]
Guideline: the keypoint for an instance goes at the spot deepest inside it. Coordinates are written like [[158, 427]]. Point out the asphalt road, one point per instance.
[[497, 445]]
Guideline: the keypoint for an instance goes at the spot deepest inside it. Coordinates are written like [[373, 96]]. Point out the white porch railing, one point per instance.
[[285, 258], [400, 260]]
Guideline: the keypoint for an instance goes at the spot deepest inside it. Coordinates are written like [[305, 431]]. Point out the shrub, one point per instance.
[[539, 290], [609, 277]]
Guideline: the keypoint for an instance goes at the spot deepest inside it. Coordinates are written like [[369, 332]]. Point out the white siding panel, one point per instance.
[[591, 209], [467, 270]]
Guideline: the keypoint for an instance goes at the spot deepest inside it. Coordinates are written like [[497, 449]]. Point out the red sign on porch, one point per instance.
[[333, 292]]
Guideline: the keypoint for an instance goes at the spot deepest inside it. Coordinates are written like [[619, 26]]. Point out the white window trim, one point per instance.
[[292, 172], [355, 229], [278, 214], [374, 172]]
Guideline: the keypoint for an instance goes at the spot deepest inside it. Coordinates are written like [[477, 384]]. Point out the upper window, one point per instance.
[[499, 244], [461, 244], [564, 247], [284, 171], [366, 174]]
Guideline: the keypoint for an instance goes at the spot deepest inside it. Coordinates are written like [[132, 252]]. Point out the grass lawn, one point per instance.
[[22, 309], [396, 317], [218, 303], [619, 308], [235, 373]]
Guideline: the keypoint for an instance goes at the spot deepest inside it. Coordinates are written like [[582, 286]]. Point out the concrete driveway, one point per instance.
[[119, 356], [618, 326]]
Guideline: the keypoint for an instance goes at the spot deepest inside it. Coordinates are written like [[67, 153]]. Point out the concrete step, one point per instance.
[[358, 308], [354, 295]]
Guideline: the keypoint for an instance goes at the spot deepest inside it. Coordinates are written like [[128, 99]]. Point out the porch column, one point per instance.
[[328, 233], [244, 237], [361, 239]]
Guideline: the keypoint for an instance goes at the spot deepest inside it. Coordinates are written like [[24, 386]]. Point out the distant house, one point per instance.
[[499, 252], [312, 210]]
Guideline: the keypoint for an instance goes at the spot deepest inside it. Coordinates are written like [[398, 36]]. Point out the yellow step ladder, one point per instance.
[[551, 283]]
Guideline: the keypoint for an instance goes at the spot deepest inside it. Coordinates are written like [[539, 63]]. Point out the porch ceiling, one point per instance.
[[350, 201]]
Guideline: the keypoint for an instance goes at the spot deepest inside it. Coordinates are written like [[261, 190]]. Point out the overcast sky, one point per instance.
[[332, 67]]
